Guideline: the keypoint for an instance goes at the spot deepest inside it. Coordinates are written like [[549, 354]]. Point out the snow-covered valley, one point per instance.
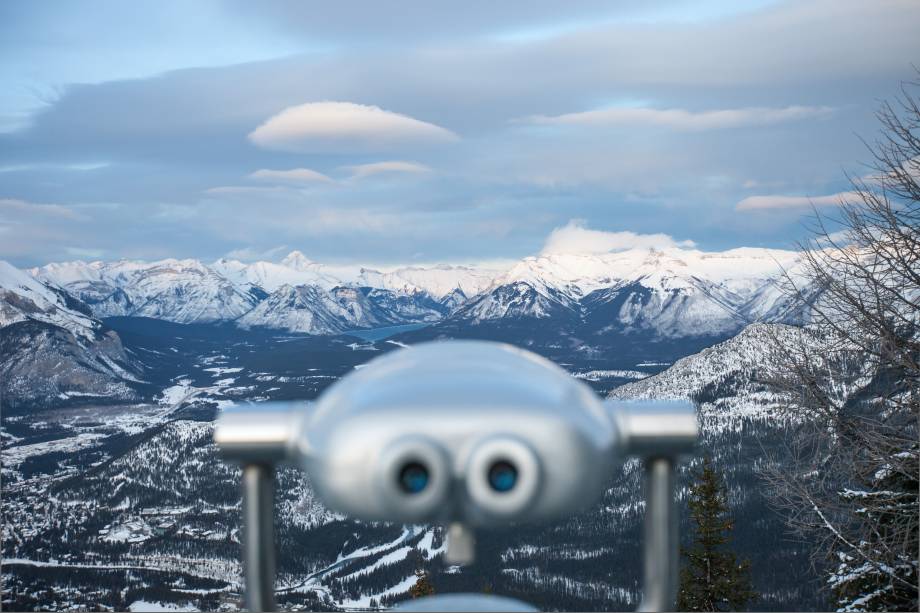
[[130, 503]]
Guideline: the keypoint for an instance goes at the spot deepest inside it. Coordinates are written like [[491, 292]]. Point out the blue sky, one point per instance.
[[419, 132]]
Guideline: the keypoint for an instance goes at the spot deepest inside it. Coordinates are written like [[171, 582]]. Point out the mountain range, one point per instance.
[[672, 292], [610, 308], [296, 295], [111, 372]]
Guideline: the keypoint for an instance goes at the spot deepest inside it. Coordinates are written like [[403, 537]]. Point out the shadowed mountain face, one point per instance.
[[53, 352], [615, 327], [45, 365], [615, 310]]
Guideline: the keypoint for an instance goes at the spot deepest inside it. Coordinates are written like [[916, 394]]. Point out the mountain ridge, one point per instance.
[[51, 348], [668, 293]]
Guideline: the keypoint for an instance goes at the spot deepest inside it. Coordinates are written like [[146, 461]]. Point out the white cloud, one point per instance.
[[31, 229], [574, 237], [76, 167], [228, 211], [320, 127], [840, 238], [295, 176], [682, 119], [758, 203], [246, 190], [365, 170], [21, 208], [81, 252], [909, 168]]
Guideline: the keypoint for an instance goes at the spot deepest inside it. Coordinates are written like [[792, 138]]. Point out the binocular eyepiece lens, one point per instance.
[[413, 478], [502, 476]]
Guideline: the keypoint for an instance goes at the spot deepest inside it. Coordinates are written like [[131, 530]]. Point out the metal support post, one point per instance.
[[259, 537], [659, 591]]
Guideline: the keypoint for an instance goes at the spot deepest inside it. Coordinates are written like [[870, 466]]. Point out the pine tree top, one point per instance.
[[712, 579]]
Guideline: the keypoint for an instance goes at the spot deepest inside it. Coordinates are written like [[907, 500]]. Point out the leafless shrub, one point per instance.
[[850, 481]]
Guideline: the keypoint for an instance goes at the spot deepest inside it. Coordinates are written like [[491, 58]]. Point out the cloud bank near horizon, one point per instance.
[[576, 237], [573, 238], [682, 119], [778, 202]]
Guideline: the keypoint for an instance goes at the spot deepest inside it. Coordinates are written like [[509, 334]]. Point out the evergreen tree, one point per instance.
[[711, 578], [422, 586]]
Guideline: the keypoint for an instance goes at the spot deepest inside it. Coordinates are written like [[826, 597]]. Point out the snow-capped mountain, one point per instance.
[[295, 269], [438, 281], [52, 349], [23, 298], [412, 307], [313, 310], [518, 300], [189, 291], [184, 291], [668, 293]]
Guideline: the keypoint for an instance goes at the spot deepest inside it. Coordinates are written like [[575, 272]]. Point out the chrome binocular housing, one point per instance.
[[464, 433]]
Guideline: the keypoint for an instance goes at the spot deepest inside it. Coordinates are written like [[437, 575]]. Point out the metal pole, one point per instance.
[[659, 590], [258, 537], [461, 545]]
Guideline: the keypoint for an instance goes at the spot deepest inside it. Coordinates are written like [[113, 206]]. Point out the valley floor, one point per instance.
[[128, 506]]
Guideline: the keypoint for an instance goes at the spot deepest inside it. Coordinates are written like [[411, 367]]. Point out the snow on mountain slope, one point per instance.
[[664, 308], [303, 308], [187, 291], [90, 282], [740, 271], [51, 349], [24, 298], [184, 291], [517, 300], [749, 350], [416, 307], [311, 309], [725, 380], [438, 281], [670, 293], [293, 270], [296, 269]]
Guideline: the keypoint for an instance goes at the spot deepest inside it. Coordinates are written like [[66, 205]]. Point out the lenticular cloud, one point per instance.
[[319, 127]]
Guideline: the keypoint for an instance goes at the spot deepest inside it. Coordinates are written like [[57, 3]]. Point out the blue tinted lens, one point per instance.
[[502, 476], [413, 478]]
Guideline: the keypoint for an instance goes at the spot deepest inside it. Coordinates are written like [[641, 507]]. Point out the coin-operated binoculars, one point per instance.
[[466, 434]]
